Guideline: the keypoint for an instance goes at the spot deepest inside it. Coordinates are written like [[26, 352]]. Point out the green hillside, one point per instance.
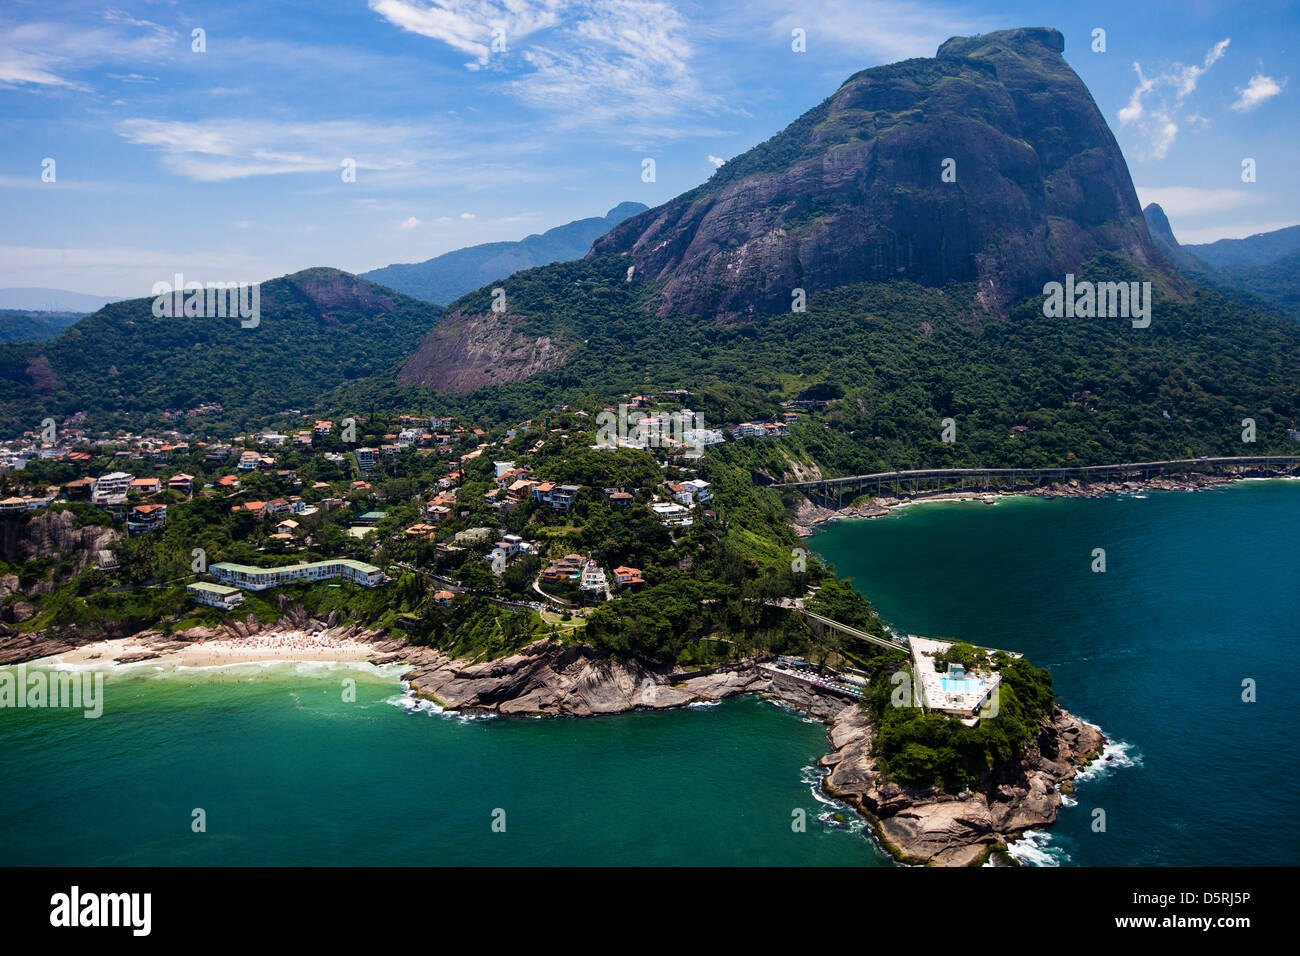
[[318, 329]]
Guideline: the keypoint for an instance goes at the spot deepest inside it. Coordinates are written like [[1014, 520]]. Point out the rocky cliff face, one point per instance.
[[52, 535], [337, 295], [467, 351], [550, 678], [854, 190]]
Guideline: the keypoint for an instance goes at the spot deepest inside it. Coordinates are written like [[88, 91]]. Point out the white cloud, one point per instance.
[[1191, 75], [883, 31], [620, 65], [1195, 200], [45, 54], [1259, 90], [1133, 111], [410, 223], [468, 25], [467, 215], [1169, 89], [224, 149], [717, 161]]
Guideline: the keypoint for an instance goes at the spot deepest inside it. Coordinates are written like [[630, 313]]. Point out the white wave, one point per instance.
[[1036, 848], [704, 703], [1116, 755], [409, 702], [415, 705]]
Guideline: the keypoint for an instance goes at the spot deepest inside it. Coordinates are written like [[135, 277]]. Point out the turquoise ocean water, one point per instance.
[[1200, 592]]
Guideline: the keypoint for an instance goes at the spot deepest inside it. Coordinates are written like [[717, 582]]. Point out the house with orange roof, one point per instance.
[[142, 518], [628, 577]]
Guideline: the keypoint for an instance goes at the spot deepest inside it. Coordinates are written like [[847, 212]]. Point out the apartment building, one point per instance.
[[252, 578]]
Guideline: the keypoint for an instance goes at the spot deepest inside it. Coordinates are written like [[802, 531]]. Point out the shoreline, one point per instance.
[[549, 679], [271, 646], [913, 825], [808, 516]]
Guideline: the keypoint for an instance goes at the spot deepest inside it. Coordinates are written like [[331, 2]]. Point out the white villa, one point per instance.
[[111, 489], [951, 691], [593, 577], [671, 513]]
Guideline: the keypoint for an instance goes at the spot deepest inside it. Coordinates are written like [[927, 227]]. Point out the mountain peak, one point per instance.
[[989, 163], [1022, 38], [1162, 234]]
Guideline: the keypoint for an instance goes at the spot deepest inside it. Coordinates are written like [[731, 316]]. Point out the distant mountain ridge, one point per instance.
[[37, 299], [1162, 234], [1266, 264], [447, 277], [1257, 250]]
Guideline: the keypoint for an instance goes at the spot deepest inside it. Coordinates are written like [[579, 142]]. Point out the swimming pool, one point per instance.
[[959, 685]]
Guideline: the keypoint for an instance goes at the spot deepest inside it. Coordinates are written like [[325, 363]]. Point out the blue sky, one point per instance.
[[226, 164]]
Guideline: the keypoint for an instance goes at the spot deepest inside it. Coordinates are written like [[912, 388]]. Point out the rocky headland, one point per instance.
[[549, 678], [916, 825]]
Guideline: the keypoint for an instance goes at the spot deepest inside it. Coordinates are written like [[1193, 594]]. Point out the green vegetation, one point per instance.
[[317, 329], [1088, 391], [931, 749], [26, 325]]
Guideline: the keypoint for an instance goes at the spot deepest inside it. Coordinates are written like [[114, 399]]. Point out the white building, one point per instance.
[[672, 514], [593, 577], [252, 578], [700, 490], [366, 459], [951, 691], [111, 489], [214, 595]]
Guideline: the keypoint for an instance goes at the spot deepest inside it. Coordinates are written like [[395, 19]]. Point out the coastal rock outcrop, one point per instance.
[[917, 825], [925, 825], [547, 677]]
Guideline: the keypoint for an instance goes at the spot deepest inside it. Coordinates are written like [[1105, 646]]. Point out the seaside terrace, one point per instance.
[[951, 691]]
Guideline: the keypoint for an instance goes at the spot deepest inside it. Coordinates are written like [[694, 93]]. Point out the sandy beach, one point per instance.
[[269, 646]]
